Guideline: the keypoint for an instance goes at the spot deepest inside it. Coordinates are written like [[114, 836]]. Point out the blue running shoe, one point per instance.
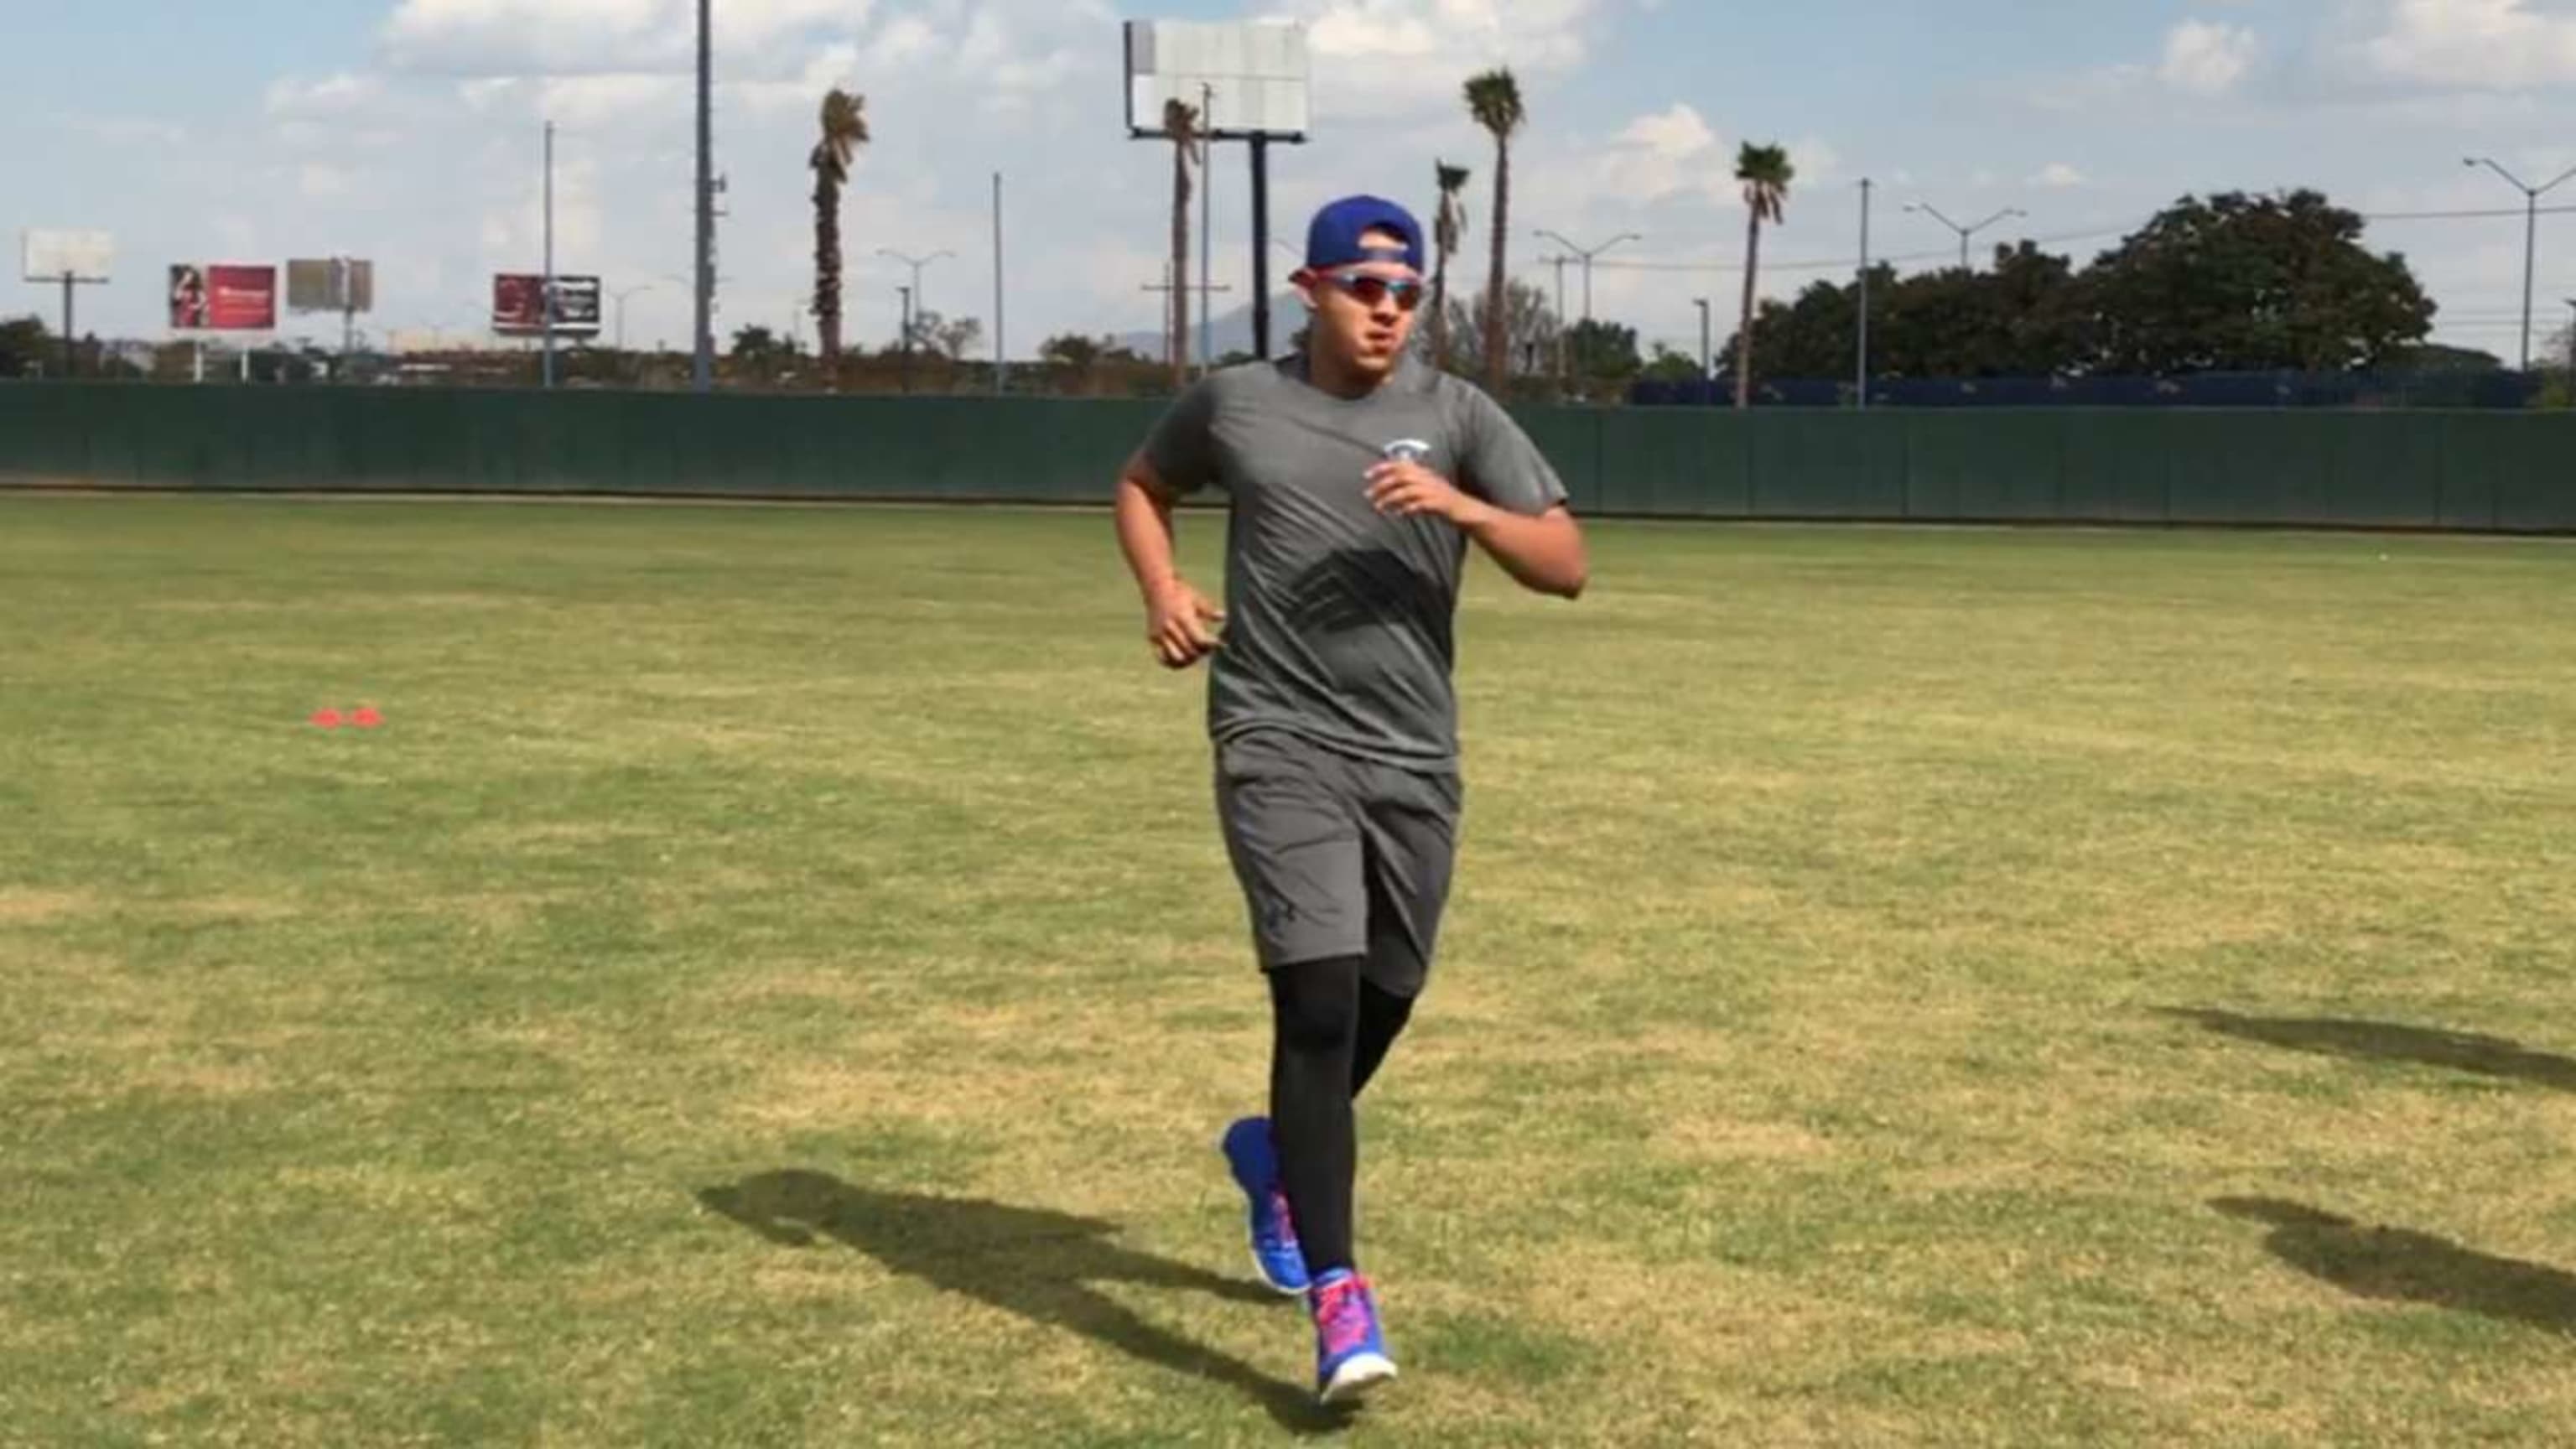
[[1350, 1351], [1275, 1254]]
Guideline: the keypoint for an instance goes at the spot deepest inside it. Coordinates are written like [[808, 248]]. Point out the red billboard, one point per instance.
[[223, 298], [518, 305]]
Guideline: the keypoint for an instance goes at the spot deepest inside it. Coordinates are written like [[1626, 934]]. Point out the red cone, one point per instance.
[[366, 718], [328, 719]]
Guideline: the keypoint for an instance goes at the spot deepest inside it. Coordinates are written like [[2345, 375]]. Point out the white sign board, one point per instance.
[[1247, 78], [84, 256]]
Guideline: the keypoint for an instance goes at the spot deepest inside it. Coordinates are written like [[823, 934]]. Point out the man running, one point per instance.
[[1355, 475]]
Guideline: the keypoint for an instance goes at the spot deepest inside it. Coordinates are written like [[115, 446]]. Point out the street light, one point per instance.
[[1964, 232], [1586, 257], [620, 297], [914, 291], [2530, 234]]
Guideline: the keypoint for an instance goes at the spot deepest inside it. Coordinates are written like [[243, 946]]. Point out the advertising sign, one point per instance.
[[335, 284], [223, 298], [517, 311], [83, 256]]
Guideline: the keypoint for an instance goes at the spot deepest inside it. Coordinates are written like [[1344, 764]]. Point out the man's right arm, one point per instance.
[[1179, 620]]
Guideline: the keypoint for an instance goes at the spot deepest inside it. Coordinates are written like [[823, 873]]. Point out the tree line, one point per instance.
[[2228, 283]]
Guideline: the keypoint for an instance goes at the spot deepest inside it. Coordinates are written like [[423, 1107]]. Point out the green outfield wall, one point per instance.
[[2487, 471]]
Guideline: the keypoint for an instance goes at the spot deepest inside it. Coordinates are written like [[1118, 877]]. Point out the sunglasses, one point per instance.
[[1370, 290]]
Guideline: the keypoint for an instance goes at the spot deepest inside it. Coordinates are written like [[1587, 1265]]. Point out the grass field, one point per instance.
[[773, 979]]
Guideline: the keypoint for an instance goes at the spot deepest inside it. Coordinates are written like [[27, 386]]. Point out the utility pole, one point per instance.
[[2530, 235], [1167, 289], [1862, 392], [1964, 232], [1207, 224], [548, 294], [702, 371]]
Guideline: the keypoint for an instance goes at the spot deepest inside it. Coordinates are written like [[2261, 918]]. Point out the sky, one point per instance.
[[409, 132]]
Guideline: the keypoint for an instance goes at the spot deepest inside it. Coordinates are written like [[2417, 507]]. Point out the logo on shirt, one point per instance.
[[1407, 450]]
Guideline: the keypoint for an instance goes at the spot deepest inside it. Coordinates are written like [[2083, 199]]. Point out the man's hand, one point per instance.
[[1404, 489], [1180, 624]]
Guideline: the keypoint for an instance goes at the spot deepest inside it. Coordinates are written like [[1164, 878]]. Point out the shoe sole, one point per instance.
[[1355, 1380]]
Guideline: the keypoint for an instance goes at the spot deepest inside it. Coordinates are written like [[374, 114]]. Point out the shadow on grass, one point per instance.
[[1037, 1264], [2397, 1265], [2381, 1041]]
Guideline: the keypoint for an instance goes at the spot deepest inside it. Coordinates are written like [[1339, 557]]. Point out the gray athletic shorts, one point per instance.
[[1338, 856]]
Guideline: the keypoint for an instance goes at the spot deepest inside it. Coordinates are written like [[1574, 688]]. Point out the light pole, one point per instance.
[[1585, 256], [1861, 340], [1964, 232], [2530, 234], [1706, 361], [1001, 349], [906, 293], [915, 306], [548, 295], [634, 291], [2571, 350]]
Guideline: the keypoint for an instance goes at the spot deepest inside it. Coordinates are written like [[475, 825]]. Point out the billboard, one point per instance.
[[517, 313], [50, 256], [1248, 76], [223, 298], [334, 284]]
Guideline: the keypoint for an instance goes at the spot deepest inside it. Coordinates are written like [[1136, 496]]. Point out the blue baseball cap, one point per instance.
[[1333, 239]]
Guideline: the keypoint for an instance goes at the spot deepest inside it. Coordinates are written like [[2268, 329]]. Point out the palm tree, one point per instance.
[[1446, 230], [845, 129], [1494, 99], [1766, 174], [1181, 122]]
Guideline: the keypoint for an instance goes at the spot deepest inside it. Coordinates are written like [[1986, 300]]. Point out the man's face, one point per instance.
[[1365, 312]]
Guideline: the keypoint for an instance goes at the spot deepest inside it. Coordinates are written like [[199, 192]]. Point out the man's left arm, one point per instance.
[[1512, 503], [1542, 551]]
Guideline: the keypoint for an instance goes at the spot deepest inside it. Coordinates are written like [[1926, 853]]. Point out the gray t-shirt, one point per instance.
[[1338, 618]]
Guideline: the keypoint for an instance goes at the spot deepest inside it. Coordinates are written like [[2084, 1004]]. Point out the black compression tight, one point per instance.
[[1332, 1030]]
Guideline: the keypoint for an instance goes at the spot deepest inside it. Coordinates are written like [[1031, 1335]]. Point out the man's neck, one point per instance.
[[1335, 375]]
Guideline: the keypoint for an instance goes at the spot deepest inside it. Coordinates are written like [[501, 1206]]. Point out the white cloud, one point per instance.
[[1376, 59], [2474, 45], [1674, 134], [2208, 59], [905, 40], [2057, 175], [1667, 153], [551, 37], [1817, 161], [329, 96], [591, 37]]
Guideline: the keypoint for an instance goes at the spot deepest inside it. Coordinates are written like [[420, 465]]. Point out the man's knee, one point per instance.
[[1318, 1004]]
